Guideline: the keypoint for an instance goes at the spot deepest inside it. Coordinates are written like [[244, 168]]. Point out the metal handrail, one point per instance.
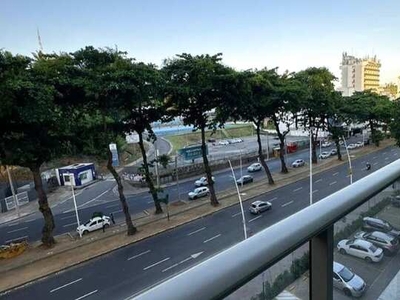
[[225, 272]]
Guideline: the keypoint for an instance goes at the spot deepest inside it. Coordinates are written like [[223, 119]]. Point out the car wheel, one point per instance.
[[85, 232], [368, 259], [347, 292], [342, 251]]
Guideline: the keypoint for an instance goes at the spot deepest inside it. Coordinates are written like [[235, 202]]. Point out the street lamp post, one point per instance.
[[311, 190], [71, 179], [240, 201], [348, 156], [177, 177], [241, 168], [267, 145]]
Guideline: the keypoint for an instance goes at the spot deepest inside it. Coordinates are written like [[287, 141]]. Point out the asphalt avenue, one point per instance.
[[129, 270]]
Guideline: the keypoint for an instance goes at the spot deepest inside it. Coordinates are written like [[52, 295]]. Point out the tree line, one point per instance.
[[54, 105]]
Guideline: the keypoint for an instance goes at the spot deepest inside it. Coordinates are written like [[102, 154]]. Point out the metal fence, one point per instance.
[[22, 198]]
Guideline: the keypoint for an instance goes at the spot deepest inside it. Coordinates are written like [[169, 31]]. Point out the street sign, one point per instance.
[[192, 152], [114, 152]]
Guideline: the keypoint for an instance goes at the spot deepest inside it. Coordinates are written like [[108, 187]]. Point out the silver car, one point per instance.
[[388, 243], [259, 206], [345, 280], [199, 192], [298, 163]]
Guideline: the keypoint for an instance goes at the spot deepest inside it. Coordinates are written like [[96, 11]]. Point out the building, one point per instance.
[[359, 74], [389, 90], [80, 174]]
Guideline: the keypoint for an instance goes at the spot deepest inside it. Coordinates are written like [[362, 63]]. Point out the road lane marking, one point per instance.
[[386, 158], [384, 153], [273, 199], [314, 191], [19, 229], [18, 238], [298, 189], [332, 183], [334, 174], [286, 204], [375, 157], [255, 218], [196, 231], [70, 224], [319, 180], [193, 256], [117, 211], [29, 220], [94, 199], [375, 163], [236, 214], [12, 224], [69, 217], [363, 162], [86, 295], [138, 255], [113, 205], [65, 285], [155, 264], [213, 238], [148, 202], [395, 154]]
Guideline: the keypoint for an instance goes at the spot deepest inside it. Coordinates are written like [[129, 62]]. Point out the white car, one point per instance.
[[203, 181], [344, 279], [351, 146], [199, 192], [298, 163], [359, 144], [235, 141], [324, 155], [326, 144], [333, 152], [93, 224], [362, 249], [254, 167], [223, 142]]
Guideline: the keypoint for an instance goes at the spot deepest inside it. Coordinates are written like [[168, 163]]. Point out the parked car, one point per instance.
[[324, 154], [333, 152], [361, 249], [254, 167], [235, 141], [93, 224], [359, 144], [259, 206], [326, 144], [388, 243], [351, 147], [344, 279], [395, 200], [223, 142], [298, 163], [375, 224], [244, 179], [199, 192], [203, 181]]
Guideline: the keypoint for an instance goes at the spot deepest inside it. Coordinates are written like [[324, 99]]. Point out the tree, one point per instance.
[[102, 104], [195, 88], [316, 104]]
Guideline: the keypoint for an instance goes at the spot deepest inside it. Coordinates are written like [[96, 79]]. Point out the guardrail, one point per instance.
[[225, 272]]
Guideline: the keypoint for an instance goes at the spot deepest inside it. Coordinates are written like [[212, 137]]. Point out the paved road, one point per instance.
[[131, 269], [103, 197]]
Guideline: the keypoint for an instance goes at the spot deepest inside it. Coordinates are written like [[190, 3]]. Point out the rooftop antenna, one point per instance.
[[39, 40]]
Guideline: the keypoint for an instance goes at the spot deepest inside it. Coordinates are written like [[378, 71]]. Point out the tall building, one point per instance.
[[359, 74]]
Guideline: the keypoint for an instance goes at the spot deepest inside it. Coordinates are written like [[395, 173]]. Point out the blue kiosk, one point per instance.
[[76, 174]]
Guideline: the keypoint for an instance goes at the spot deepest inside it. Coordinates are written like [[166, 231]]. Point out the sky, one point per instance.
[[288, 34]]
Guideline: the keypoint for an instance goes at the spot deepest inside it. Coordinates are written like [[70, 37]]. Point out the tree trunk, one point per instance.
[[149, 178], [207, 169], [284, 169], [261, 155], [47, 231], [339, 154], [131, 229], [314, 148]]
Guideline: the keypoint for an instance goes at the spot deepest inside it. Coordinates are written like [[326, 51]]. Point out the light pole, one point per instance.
[[240, 201], [311, 190], [71, 179], [267, 145], [177, 177], [13, 192], [348, 156]]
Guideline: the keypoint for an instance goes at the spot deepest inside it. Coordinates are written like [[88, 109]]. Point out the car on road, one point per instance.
[[395, 200], [361, 249], [245, 179], [333, 152], [351, 147], [326, 144], [93, 224], [259, 206], [359, 144], [235, 141], [344, 279], [199, 192], [375, 224], [203, 181], [254, 167], [324, 154], [298, 163], [211, 140], [388, 243], [223, 142]]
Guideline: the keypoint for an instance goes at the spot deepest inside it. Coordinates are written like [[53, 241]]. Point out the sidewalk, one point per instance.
[[37, 262]]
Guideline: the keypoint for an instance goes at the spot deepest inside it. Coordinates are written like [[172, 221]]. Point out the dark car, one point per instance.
[[211, 140], [244, 179], [375, 224], [395, 200], [388, 243]]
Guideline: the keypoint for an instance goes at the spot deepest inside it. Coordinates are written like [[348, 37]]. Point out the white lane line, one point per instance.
[[363, 162], [113, 205], [273, 199], [12, 224], [94, 199], [19, 229], [69, 217], [394, 154], [18, 238], [63, 286], [155, 264], [298, 189], [386, 158], [196, 231], [148, 202], [251, 220], [117, 211], [375, 163], [334, 174], [332, 183], [86, 295], [375, 157], [138, 255], [286, 204], [29, 220], [70, 224], [384, 153], [237, 214], [319, 180], [314, 191], [213, 238]]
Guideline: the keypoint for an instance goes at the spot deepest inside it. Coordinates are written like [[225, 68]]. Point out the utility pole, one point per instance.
[[13, 192], [267, 145], [177, 177], [311, 189], [348, 156], [71, 180]]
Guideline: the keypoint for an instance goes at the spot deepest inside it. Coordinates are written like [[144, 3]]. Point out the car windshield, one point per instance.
[[87, 223], [373, 248], [346, 274], [253, 205]]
